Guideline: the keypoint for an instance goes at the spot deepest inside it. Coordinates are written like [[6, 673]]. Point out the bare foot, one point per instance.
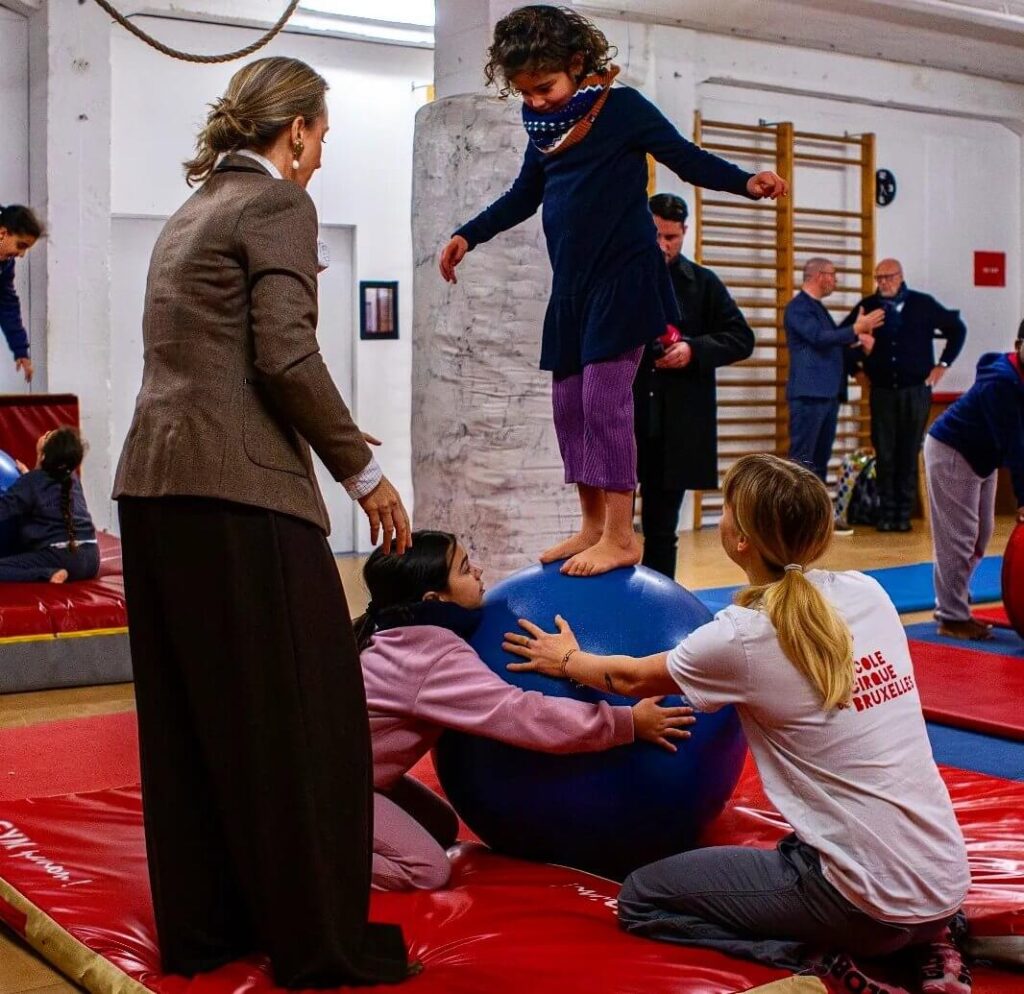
[[603, 557], [971, 629], [583, 539], [61, 576]]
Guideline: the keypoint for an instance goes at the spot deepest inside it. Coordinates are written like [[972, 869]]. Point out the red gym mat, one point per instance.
[[68, 757], [73, 883], [968, 688], [994, 615]]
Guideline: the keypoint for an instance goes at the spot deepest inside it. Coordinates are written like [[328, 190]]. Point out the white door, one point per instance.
[[336, 335], [14, 170], [132, 240]]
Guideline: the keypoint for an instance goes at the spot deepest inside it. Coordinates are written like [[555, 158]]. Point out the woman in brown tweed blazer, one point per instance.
[[254, 738]]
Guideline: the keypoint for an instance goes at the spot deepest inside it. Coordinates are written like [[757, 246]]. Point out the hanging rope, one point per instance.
[[188, 56]]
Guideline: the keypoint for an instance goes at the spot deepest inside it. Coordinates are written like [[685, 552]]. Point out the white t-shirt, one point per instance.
[[859, 784]]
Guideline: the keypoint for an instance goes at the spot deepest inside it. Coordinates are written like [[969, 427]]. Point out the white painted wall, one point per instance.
[[961, 181], [956, 193], [14, 163], [365, 182], [954, 142]]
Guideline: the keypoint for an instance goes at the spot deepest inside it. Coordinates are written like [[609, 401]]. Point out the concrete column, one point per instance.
[[69, 180], [485, 459], [462, 35]]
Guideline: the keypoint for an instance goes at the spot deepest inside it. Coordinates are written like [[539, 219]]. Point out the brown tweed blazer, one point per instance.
[[234, 390]]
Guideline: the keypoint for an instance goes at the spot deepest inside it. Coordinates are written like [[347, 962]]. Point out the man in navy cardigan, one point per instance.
[[817, 364], [902, 371]]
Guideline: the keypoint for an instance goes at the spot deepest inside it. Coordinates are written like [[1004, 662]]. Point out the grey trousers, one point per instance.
[[770, 905], [963, 507]]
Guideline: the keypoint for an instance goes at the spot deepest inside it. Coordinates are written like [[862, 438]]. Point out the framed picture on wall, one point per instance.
[[378, 309]]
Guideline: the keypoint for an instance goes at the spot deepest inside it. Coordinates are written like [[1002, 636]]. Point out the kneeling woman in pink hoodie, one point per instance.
[[422, 676]]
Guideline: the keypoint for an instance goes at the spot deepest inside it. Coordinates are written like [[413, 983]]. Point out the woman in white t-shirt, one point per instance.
[[818, 667]]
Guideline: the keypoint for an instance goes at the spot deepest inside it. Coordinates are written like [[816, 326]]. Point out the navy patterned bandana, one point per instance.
[[561, 129]]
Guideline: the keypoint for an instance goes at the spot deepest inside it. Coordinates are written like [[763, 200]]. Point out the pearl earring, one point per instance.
[[297, 148]]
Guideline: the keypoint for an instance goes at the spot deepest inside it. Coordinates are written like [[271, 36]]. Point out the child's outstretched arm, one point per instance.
[[459, 691], [554, 654], [657, 135], [513, 207]]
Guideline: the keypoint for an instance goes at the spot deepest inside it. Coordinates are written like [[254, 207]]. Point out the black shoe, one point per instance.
[[903, 525], [885, 525]]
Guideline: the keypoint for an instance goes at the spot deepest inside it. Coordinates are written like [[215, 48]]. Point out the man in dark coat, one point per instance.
[[902, 371], [674, 391]]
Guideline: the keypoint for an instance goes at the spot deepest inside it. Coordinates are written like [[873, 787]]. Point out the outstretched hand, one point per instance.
[[866, 324], [543, 650], [653, 723], [767, 184]]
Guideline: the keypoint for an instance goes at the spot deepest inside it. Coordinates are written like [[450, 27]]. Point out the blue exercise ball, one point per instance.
[[9, 528], [8, 471], [607, 812]]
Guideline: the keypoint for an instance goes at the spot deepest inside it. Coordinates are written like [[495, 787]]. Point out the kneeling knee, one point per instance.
[[633, 905]]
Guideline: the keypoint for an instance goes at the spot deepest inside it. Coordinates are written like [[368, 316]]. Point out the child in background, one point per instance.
[[968, 443], [611, 293], [422, 677], [818, 668], [56, 534]]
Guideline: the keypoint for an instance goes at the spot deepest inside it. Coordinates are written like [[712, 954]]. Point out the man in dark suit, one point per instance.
[[674, 390], [817, 364], [902, 371]]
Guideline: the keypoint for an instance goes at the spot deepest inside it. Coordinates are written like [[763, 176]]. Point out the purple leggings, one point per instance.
[[593, 413]]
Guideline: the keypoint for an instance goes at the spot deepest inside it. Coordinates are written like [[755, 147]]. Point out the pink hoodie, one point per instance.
[[421, 679]]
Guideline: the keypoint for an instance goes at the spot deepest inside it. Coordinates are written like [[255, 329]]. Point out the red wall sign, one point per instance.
[[990, 269]]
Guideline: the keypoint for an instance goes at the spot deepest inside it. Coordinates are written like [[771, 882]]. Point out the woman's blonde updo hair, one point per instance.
[[786, 514], [262, 98]]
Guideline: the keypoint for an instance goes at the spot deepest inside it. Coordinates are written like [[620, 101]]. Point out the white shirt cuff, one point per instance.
[[364, 481]]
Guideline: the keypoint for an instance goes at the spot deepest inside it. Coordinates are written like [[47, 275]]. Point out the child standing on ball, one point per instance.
[[55, 530], [611, 293], [818, 668], [422, 677]]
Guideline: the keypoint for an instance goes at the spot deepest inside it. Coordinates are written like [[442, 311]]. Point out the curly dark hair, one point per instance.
[[542, 37]]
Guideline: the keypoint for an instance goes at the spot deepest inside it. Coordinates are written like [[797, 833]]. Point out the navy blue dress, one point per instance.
[[611, 290]]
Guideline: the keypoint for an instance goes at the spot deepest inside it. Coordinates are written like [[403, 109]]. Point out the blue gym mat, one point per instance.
[[910, 587], [1004, 641], [975, 751]]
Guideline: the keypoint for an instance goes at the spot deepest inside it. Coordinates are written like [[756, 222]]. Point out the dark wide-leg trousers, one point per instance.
[[254, 740]]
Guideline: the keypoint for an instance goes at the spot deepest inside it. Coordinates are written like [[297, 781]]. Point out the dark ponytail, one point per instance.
[[397, 583], [62, 454], [19, 220]]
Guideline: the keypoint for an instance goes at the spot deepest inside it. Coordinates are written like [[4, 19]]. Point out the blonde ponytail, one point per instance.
[[785, 512], [262, 98]]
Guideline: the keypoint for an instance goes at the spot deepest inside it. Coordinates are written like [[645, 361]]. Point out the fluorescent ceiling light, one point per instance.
[[420, 12]]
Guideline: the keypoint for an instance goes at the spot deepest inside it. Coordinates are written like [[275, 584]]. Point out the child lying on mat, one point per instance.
[[966, 446], [56, 537], [422, 677], [818, 668]]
